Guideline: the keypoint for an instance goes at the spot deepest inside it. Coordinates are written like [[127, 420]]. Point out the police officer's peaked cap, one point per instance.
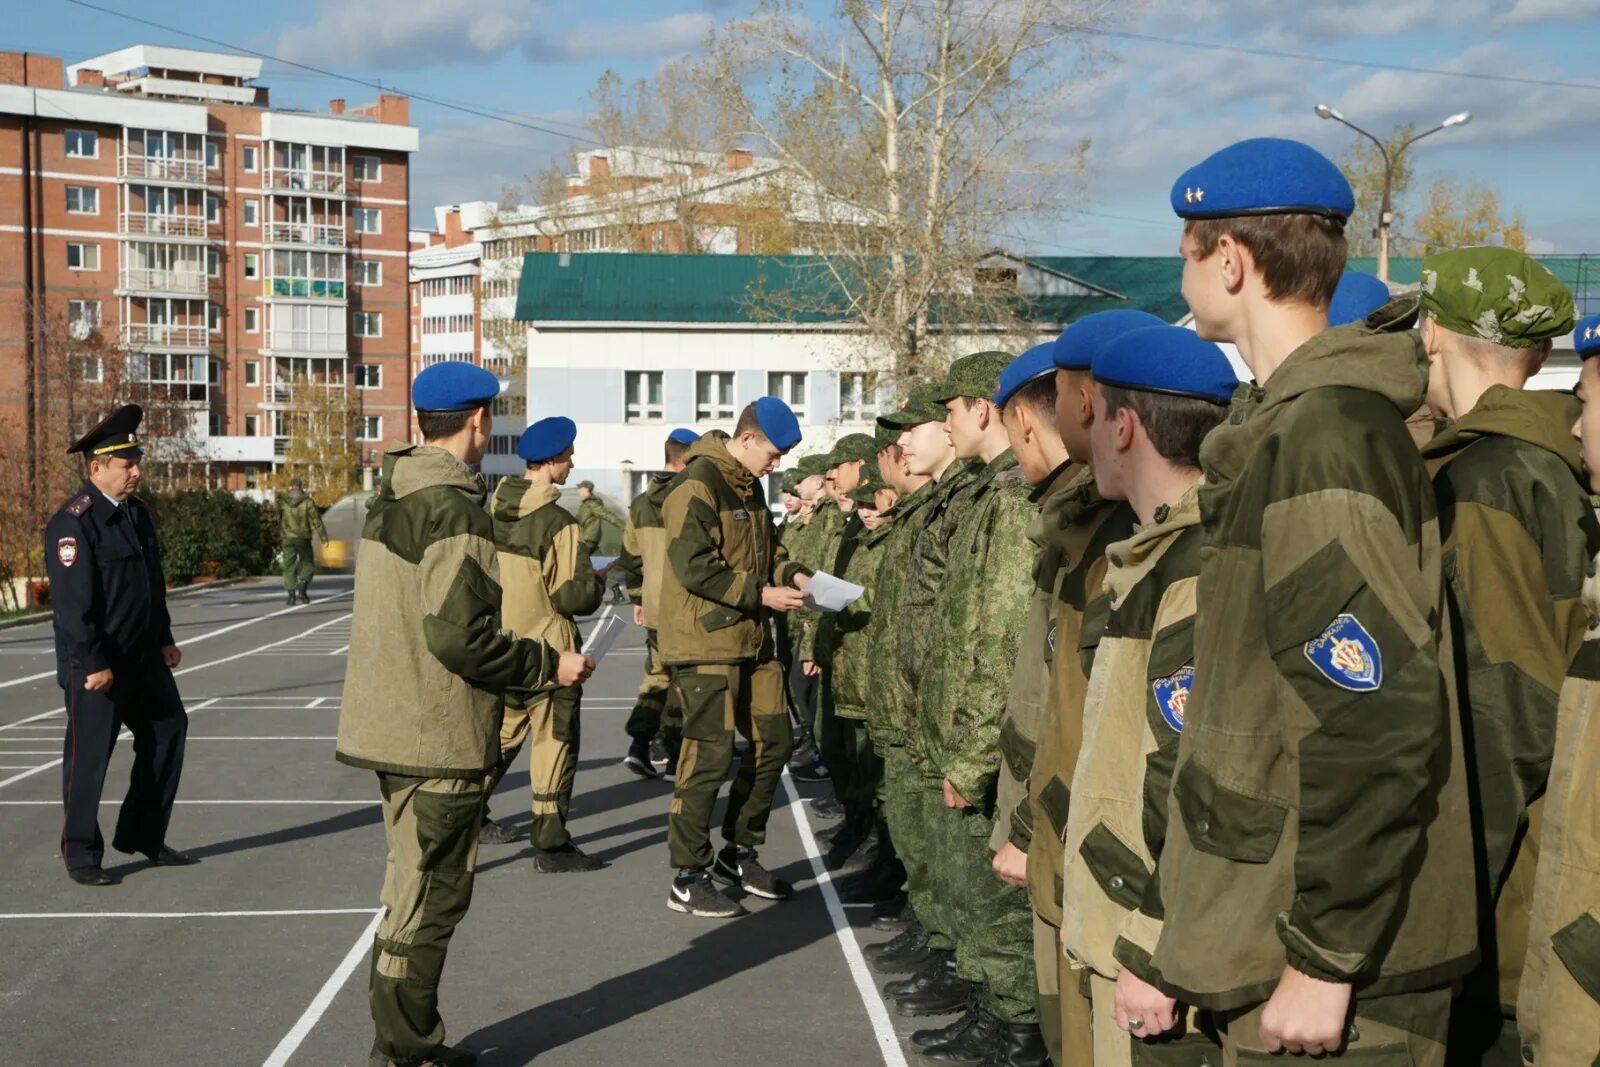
[[1586, 338], [972, 376], [1263, 176], [1357, 296], [851, 448], [683, 436], [777, 423], [920, 407], [547, 439], [1167, 359], [1032, 365], [117, 435], [1079, 343], [453, 386]]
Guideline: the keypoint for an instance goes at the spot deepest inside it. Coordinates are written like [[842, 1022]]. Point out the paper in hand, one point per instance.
[[824, 592], [601, 564], [603, 637]]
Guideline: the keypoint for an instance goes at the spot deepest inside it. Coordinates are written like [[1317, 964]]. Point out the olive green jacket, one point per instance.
[[1518, 530], [1558, 1009], [1030, 681], [298, 517], [833, 544], [976, 631], [593, 517], [1319, 806], [890, 714], [841, 645], [1088, 523], [817, 548], [429, 659], [721, 551], [644, 547], [1132, 719]]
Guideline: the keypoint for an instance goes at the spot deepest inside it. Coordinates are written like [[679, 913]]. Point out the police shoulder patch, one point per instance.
[[79, 504], [1347, 655], [67, 551], [1172, 696]]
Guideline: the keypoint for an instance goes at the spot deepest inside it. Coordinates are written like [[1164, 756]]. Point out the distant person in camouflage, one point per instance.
[[298, 519], [593, 516]]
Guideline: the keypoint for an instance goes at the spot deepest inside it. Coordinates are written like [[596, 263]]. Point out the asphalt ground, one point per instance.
[[258, 955]]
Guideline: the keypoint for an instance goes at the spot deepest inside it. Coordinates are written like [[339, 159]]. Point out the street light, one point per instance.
[[1385, 212]]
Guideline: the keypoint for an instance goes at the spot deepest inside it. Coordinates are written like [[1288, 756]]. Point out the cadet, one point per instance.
[[298, 519], [1357, 296], [1558, 1011], [1518, 532], [1084, 525], [428, 664], [1158, 392], [643, 559], [726, 573], [592, 515], [547, 582], [114, 655], [821, 522], [1321, 645]]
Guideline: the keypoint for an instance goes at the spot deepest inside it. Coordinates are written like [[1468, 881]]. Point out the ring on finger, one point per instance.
[[1135, 1024]]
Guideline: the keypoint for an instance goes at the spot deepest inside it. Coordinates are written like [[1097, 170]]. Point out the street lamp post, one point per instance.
[[1386, 210]]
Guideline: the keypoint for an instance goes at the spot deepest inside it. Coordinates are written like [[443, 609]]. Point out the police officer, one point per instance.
[[298, 519], [114, 655]]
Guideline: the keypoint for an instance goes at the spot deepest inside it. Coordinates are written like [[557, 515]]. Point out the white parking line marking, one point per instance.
[[286, 913], [319, 1003], [336, 803]]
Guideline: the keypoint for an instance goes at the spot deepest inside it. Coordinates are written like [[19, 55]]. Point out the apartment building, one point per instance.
[[236, 256]]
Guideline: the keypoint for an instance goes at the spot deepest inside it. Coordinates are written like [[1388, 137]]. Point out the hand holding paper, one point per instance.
[[603, 637], [826, 593]]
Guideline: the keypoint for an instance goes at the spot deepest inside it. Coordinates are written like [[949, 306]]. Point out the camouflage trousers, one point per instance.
[[432, 829], [299, 563], [1405, 1029], [854, 766], [650, 710], [905, 808], [554, 724]]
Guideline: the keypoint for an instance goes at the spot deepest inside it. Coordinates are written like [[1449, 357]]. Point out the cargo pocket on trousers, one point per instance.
[[1118, 869], [1224, 822], [704, 700], [564, 723], [1577, 945], [446, 828]]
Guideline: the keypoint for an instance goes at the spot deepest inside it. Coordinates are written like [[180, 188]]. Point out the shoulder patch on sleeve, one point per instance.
[[79, 504], [67, 551], [1172, 696], [1347, 655]]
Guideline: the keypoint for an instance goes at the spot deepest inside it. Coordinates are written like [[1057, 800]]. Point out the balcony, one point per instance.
[[177, 171], [162, 225], [324, 182], [306, 288], [306, 341], [165, 335], [280, 394], [162, 282], [306, 234]]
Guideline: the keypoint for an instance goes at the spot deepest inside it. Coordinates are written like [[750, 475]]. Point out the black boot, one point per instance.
[[1018, 1045], [947, 993], [893, 913], [977, 1044], [930, 972], [293, 598], [898, 943], [305, 592], [908, 958], [857, 830], [943, 1035], [873, 885]]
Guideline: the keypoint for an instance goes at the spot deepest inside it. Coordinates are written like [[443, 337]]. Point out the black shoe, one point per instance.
[[974, 1045], [91, 875], [568, 859], [443, 1056], [898, 943], [305, 592], [945, 993], [658, 753], [638, 760], [909, 958], [495, 833], [844, 846], [740, 867], [1018, 1045], [805, 754], [827, 807], [170, 857], [815, 771], [872, 886], [294, 598], [693, 894], [943, 1035], [894, 913], [939, 961]]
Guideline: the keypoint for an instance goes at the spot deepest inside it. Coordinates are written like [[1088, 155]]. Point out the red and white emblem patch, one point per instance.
[[67, 551]]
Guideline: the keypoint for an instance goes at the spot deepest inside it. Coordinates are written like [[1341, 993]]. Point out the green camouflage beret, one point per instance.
[[920, 407], [852, 447], [975, 376], [871, 482], [1496, 294]]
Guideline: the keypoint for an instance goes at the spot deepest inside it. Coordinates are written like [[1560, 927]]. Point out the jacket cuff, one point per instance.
[[1311, 959], [92, 660], [974, 788]]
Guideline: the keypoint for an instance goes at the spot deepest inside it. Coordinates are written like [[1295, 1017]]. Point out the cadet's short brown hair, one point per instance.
[[437, 425], [1301, 257], [1039, 394], [674, 451], [749, 422], [1175, 424]]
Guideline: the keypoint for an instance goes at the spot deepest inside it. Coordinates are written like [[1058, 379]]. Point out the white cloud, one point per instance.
[[1532, 12], [384, 33], [673, 33]]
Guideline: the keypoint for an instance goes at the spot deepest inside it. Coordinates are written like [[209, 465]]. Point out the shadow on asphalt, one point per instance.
[[333, 824]]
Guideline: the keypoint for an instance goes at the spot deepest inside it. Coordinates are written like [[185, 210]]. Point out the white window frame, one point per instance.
[[89, 191], [369, 428], [359, 170], [94, 141], [360, 319], [252, 266], [94, 369], [214, 318], [375, 265], [639, 408], [252, 425], [85, 249], [252, 372], [247, 158], [862, 405], [213, 155], [372, 371], [213, 263], [719, 408], [367, 212], [252, 213], [84, 311], [785, 379], [252, 320], [213, 210]]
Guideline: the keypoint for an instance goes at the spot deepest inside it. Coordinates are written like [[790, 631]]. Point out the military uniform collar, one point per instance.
[[1541, 417], [1054, 482], [105, 509], [1129, 561]]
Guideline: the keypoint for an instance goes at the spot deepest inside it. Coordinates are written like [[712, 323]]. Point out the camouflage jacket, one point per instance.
[[429, 659], [1087, 524], [977, 626], [1558, 1009], [841, 645], [644, 548], [1322, 644], [593, 518], [889, 715], [1517, 532], [721, 551], [1030, 681], [821, 540], [830, 553], [298, 517], [1132, 718]]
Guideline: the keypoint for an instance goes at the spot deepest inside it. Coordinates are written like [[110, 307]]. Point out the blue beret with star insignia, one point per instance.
[[453, 385], [1586, 338], [1166, 359], [547, 439], [1076, 347], [1357, 296], [1033, 364], [1263, 176]]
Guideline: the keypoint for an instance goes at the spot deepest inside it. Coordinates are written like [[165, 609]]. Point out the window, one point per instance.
[[83, 200], [855, 397], [94, 369], [252, 477], [369, 220], [214, 317], [252, 425], [252, 320], [512, 407], [85, 311], [83, 144], [214, 427], [247, 157], [252, 265], [369, 428], [213, 157], [252, 372], [369, 324], [366, 168], [213, 210], [503, 444], [790, 387], [416, 296], [82, 256], [252, 212], [213, 263], [643, 397], [713, 396], [369, 376], [369, 272]]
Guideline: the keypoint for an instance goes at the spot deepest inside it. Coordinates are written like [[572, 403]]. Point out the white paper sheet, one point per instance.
[[603, 637], [601, 564], [826, 593]]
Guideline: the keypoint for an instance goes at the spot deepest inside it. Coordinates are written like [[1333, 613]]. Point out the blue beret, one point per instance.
[[778, 423], [1586, 338], [547, 439], [1263, 176], [1166, 359], [1036, 362], [1076, 347], [683, 436], [453, 386], [1358, 296]]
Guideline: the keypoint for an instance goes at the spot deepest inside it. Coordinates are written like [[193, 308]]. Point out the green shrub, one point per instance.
[[213, 534]]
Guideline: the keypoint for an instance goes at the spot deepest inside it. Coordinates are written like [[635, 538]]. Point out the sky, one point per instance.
[[1150, 108]]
